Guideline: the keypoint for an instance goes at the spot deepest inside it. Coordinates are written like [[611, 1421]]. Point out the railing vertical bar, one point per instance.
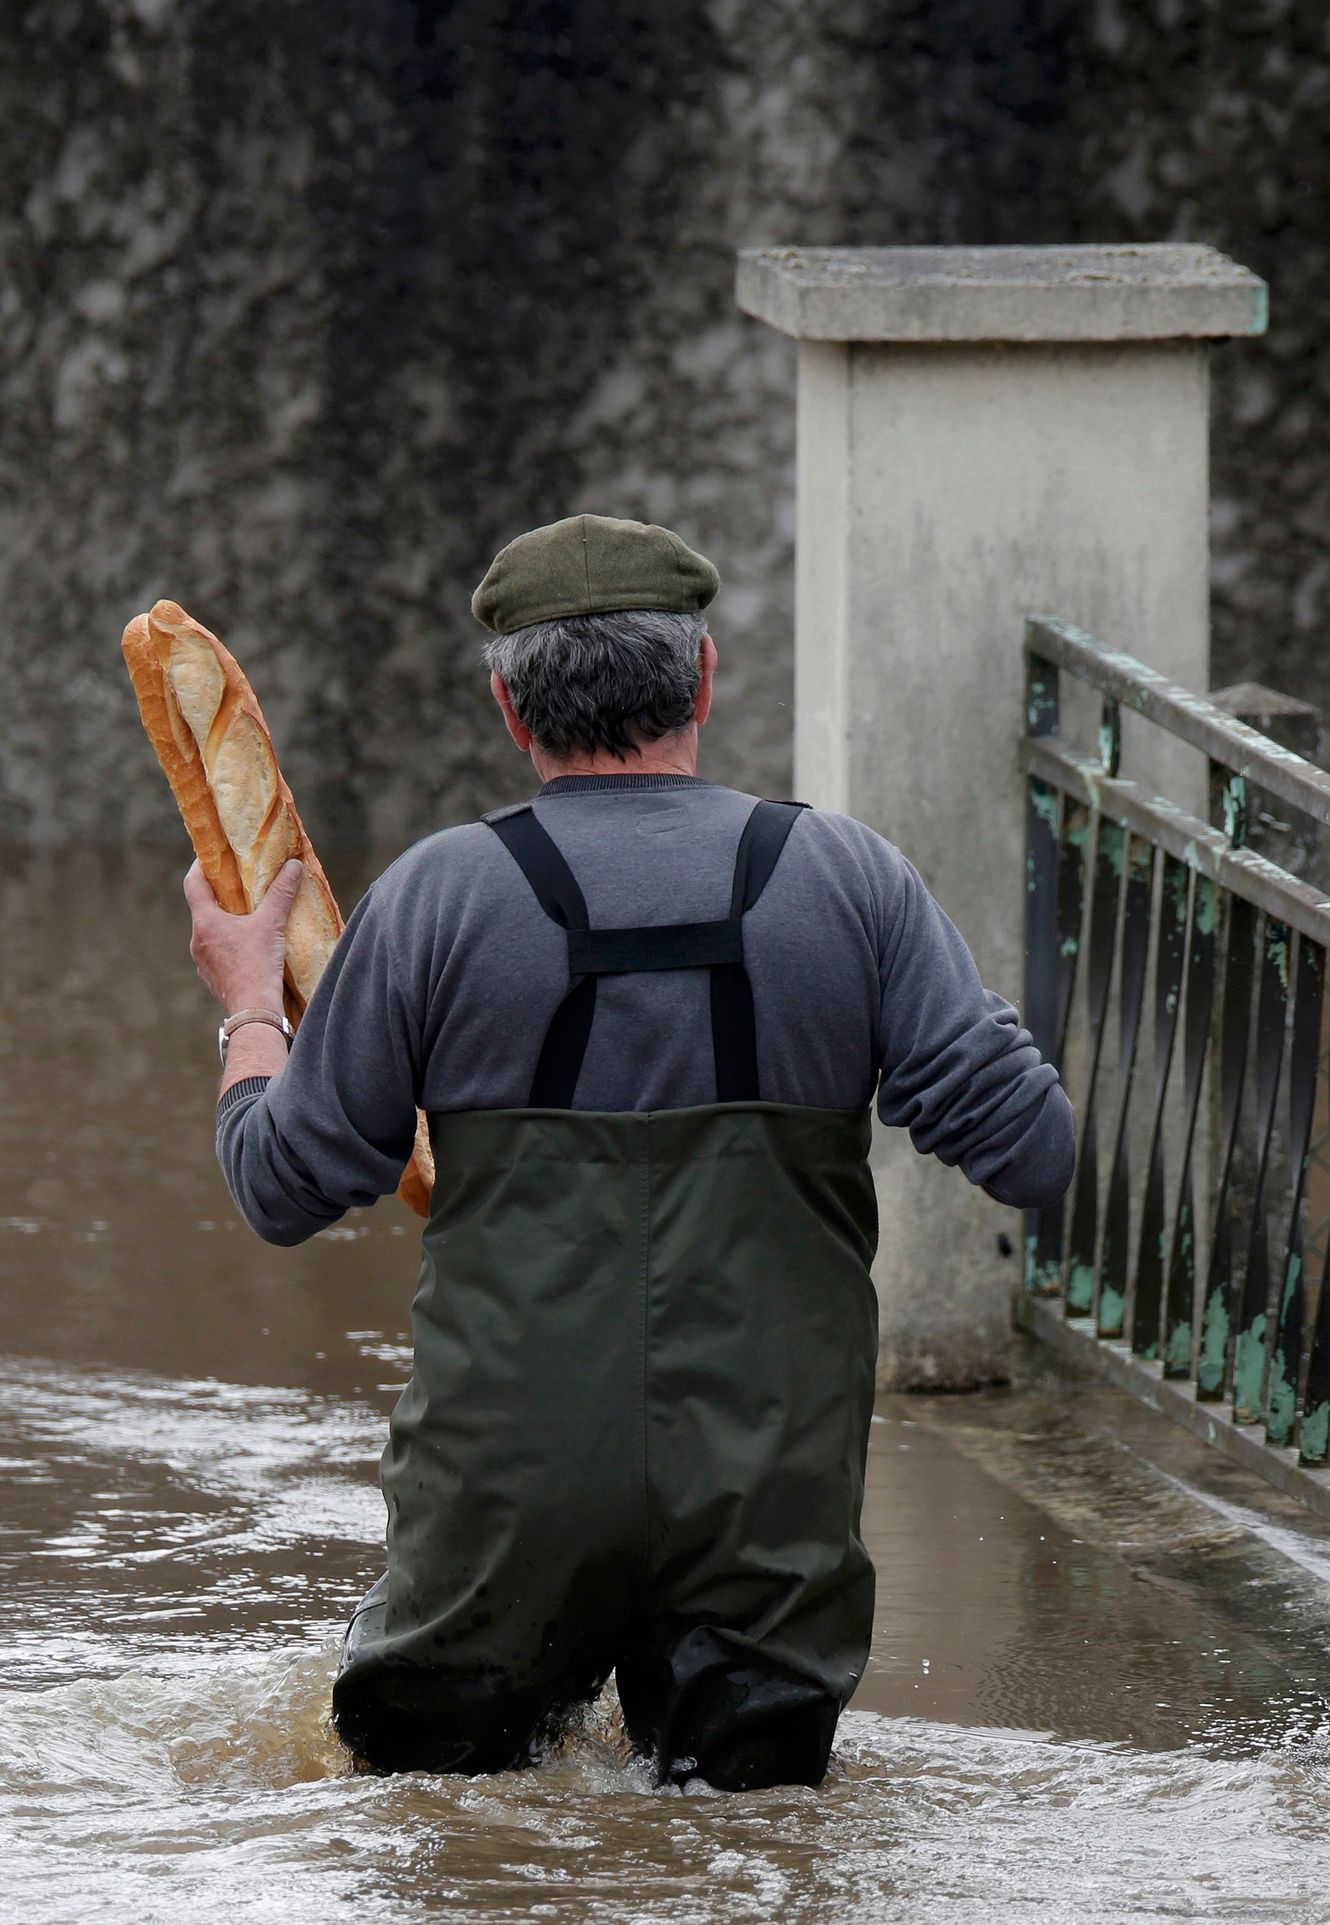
[[1043, 850], [1044, 811], [1148, 1300], [1304, 1050], [1071, 911], [1251, 1340], [1082, 1248], [1217, 1310], [1114, 1263], [1180, 1310], [1314, 1430]]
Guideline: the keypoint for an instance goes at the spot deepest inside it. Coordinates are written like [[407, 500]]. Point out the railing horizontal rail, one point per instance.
[[1178, 978], [1190, 717], [1182, 834]]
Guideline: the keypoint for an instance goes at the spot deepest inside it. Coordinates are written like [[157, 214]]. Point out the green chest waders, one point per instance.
[[635, 1431]]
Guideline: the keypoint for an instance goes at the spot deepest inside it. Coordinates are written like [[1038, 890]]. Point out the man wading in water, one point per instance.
[[647, 1017]]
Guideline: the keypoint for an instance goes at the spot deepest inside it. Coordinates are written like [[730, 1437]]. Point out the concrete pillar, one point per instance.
[[982, 433]]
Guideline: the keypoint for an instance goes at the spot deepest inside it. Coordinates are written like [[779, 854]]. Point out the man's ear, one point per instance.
[[707, 659], [520, 733]]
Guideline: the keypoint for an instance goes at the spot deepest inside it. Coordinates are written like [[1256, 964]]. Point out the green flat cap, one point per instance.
[[590, 565]]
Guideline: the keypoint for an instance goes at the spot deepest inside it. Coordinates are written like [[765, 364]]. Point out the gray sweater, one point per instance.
[[440, 991]]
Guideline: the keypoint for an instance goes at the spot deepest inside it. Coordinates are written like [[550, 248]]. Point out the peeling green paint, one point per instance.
[[1042, 703], [1214, 1344], [1248, 1371], [1283, 1402], [1276, 947], [1080, 1288], [1044, 802], [1315, 1435], [1077, 825], [1177, 1356], [1291, 1275], [1207, 906], [1111, 1305], [1235, 809], [1177, 889], [1112, 845], [1068, 947]]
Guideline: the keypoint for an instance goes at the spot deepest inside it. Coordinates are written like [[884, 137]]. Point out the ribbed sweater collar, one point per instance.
[[591, 784]]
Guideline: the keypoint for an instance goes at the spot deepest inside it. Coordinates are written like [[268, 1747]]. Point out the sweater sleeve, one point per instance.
[[958, 1070], [335, 1128]]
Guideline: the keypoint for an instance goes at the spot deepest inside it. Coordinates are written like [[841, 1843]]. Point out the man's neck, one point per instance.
[[673, 755]]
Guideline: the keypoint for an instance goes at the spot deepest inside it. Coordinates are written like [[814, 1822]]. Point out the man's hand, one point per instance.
[[240, 958]]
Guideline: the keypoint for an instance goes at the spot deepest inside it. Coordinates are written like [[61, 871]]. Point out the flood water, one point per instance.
[[1095, 1693]]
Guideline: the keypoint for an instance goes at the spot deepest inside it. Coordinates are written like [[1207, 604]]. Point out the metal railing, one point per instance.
[[1189, 1258]]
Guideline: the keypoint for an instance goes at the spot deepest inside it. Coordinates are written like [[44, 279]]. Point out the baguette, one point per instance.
[[207, 728]]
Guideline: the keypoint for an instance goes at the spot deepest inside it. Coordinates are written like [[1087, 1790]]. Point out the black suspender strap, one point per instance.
[[717, 946], [681, 945], [537, 856], [733, 1018]]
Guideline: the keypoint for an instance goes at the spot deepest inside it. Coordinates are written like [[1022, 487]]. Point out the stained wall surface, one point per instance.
[[307, 309]]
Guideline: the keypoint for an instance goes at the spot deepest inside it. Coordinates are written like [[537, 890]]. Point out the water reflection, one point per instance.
[[1088, 1698]]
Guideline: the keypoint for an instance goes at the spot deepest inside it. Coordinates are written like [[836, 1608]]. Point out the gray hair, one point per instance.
[[602, 682]]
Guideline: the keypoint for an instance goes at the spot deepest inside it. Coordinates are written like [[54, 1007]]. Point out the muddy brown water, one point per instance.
[[1098, 1686]]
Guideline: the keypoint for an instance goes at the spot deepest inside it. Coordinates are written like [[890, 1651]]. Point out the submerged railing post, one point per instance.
[[982, 432]]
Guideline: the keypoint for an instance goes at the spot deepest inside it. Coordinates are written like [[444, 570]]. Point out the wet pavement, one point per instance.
[[1100, 1672]]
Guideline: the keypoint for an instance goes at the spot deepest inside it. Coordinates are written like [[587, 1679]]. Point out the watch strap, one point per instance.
[[273, 1017]]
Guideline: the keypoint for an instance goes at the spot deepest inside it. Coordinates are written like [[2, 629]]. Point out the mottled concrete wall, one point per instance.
[[307, 308]]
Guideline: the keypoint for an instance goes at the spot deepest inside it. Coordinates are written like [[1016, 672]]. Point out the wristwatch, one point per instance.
[[273, 1017]]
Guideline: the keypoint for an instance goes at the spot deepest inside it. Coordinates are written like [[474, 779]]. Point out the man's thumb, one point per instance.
[[282, 889]]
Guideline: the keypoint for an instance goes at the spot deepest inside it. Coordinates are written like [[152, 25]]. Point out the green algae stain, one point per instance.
[[1080, 1288], [1248, 1370], [1316, 1435], [1214, 1343]]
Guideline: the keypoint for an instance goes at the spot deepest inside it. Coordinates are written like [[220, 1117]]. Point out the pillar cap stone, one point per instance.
[[1146, 292]]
